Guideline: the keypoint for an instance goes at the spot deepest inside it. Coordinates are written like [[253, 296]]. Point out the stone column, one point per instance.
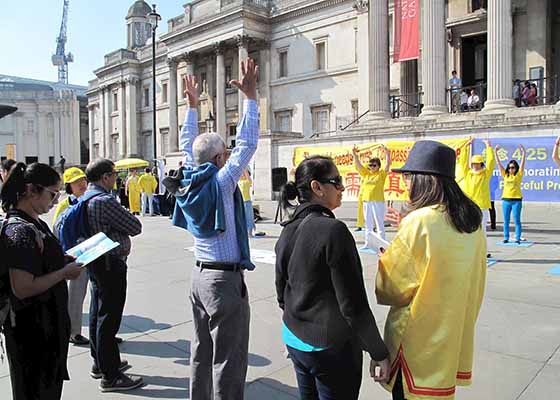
[[173, 116], [107, 112], [434, 79], [500, 61], [189, 60], [266, 116], [43, 151], [220, 91], [242, 56], [122, 120], [91, 117], [102, 117], [131, 121], [378, 27], [409, 86]]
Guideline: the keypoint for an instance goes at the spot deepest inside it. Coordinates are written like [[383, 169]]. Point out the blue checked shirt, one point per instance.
[[224, 247]]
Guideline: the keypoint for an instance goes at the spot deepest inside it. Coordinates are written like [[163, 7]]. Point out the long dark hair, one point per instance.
[[40, 175], [311, 169], [515, 164], [428, 190]]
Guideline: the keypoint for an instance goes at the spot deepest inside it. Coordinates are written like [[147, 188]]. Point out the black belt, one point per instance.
[[219, 266]]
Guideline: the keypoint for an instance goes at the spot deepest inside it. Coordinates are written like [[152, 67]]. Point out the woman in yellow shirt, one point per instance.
[[132, 189], [512, 199], [433, 277], [373, 195], [476, 182]]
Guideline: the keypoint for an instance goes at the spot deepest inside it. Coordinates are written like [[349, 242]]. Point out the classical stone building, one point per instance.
[[51, 121], [326, 74]]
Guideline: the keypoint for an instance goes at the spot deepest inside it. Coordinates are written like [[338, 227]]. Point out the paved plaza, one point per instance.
[[518, 332]]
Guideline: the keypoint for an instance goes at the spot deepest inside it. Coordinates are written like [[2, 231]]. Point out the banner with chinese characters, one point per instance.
[[407, 23], [394, 185], [541, 178]]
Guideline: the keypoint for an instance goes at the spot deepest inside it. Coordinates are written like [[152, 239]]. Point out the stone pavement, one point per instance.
[[517, 342]]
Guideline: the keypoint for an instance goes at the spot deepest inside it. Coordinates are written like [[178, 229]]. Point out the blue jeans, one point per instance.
[[249, 216], [332, 374], [515, 206]]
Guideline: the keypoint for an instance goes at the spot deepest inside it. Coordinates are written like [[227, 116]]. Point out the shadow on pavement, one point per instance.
[[134, 324], [154, 348], [171, 388], [290, 391]]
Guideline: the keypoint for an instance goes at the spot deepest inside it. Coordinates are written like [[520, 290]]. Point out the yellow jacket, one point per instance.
[[433, 277], [63, 205], [245, 188], [476, 184], [148, 183], [373, 184]]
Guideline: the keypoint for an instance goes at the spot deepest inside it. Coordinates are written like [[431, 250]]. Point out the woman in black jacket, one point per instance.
[[327, 320]]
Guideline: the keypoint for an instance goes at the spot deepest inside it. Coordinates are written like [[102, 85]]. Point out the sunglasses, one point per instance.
[[336, 181], [112, 173], [54, 194], [512, 167]]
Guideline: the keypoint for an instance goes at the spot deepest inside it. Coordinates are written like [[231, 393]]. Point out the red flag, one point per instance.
[[407, 23]]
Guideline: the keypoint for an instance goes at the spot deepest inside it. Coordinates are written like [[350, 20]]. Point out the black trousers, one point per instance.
[[492, 216], [398, 390], [108, 295]]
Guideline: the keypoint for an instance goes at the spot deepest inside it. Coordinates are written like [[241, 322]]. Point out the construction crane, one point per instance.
[[60, 59]]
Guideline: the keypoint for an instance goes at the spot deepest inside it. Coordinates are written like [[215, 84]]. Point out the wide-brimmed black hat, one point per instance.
[[429, 157], [6, 110]]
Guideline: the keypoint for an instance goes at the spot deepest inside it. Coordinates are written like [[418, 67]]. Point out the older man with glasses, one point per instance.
[[108, 278], [210, 206]]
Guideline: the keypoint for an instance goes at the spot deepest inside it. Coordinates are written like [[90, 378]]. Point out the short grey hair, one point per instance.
[[207, 146]]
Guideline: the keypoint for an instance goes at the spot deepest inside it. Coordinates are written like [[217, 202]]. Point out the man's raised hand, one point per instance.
[[247, 82], [191, 90]]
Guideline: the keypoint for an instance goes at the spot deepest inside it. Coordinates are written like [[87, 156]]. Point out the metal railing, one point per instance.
[[406, 105], [536, 92], [466, 98], [344, 123]]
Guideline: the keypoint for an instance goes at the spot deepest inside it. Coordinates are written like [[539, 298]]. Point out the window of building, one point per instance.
[[283, 121], [321, 55], [115, 101], [355, 110], [183, 87], [320, 118], [164, 141], [30, 127], [228, 75], [146, 97], [96, 150], [391, 31], [203, 80], [115, 147], [355, 45], [51, 161], [164, 91], [477, 5], [283, 63]]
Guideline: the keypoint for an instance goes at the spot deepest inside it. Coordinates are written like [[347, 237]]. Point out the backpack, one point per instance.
[[6, 309], [72, 225]]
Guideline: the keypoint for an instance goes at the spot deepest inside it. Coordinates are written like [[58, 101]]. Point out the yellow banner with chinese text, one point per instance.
[[394, 185]]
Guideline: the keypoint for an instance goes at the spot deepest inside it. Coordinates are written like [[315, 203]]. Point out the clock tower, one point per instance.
[[138, 28]]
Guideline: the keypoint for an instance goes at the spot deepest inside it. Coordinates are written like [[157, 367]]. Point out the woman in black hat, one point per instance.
[[433, 277]]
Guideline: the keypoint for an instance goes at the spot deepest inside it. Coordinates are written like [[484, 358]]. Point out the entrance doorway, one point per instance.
[[474, 70]]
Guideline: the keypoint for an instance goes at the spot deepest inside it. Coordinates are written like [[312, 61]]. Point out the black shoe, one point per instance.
[[358, 229], [518, 242], [488, 255], [95, 372], [122, 383], [119, 340], [79, 340], [506, 240]]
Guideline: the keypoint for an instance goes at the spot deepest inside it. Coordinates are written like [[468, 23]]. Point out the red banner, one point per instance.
[[407, 24]]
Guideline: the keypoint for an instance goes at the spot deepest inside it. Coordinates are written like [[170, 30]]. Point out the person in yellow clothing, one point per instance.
[[373, 195], [476, 182], [132, 190], [245, 184], [433, 276], [512, 198], [148, 185], [75, 182]]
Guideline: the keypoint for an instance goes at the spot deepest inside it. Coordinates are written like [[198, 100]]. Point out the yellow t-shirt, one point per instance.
[[512, 186], [147, 183], [373, 184], [433, 277], [245, 187], [476, 184], [63, 205]]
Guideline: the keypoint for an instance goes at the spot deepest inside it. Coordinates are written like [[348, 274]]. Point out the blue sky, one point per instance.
[[29, 28]]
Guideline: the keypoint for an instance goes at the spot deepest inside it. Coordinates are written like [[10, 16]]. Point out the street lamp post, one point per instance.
[[153, 19]]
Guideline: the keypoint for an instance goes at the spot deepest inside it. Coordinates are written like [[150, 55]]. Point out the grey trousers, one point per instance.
[[220, 342], [77, 289]]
